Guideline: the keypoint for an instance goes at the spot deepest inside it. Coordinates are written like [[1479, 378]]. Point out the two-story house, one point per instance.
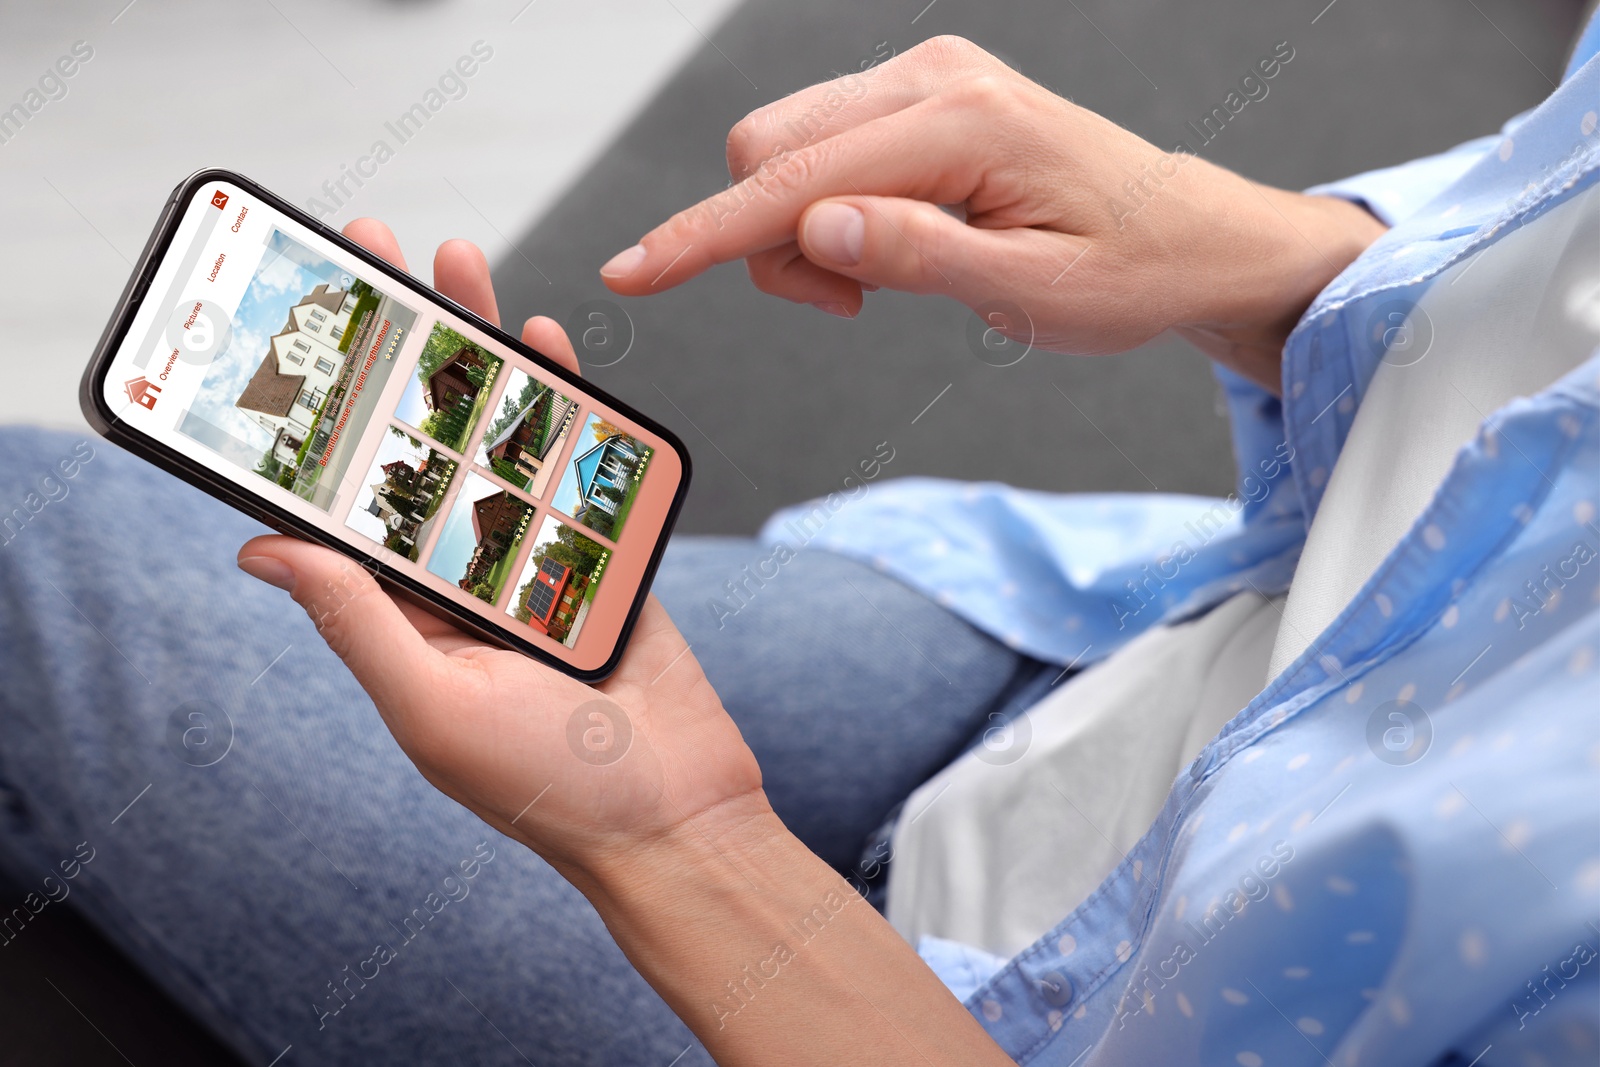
[[302, 366]]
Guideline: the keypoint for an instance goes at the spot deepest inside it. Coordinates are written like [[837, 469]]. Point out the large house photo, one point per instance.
[[300, 371], [309, 350]]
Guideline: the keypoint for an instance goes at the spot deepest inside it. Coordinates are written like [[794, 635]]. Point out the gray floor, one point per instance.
[[791, 398]]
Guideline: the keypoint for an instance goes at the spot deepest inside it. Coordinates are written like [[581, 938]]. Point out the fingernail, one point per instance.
[[624, 263], [833, 307], [269, 570], [836, 232]]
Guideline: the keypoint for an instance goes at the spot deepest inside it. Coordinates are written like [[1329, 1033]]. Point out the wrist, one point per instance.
[[619, 873], [768, 954], [1278, 250]]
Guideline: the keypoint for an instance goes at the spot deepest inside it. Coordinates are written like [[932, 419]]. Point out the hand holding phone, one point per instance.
[[289, 372], [497, 731]]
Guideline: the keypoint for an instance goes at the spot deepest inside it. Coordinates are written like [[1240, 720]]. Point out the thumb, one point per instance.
[[911, 245], [357, 619]]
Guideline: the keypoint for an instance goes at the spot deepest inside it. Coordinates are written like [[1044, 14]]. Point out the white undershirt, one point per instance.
[[1542, 282], [993, 855]]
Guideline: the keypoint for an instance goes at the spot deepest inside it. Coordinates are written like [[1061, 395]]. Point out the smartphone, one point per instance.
[[263, 357]]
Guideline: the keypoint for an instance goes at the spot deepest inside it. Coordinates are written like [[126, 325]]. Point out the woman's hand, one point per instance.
[[1102, 240], [671, 837], [496, 730]]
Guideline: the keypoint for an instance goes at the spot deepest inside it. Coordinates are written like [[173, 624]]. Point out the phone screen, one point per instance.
[[325, 386]]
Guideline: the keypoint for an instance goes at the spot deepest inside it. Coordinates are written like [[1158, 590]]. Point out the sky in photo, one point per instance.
[[453, 551], [412, 408], [516, 381]]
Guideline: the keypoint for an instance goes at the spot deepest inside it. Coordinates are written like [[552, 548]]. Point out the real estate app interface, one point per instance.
[[320, 383]]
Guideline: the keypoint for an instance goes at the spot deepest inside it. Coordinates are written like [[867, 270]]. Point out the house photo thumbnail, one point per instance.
[[405, 487], [479, 541], [447, 396], [558, 581], [307, 357], [520, 442], [603, 477]]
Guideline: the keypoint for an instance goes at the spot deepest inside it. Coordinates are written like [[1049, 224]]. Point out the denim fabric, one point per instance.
[[253, 886]]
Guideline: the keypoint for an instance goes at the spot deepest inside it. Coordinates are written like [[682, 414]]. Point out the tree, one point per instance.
[[398, 432], [449, 426], [511, 408], [604, 429], [573, 549], [484, 591], [598, 521], [443, 343], [523, 614]]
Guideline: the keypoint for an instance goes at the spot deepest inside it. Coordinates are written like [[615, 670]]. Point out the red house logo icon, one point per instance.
[[142, 391]]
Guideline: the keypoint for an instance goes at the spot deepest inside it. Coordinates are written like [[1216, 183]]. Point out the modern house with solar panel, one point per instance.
[[519, 451], [553, 599]]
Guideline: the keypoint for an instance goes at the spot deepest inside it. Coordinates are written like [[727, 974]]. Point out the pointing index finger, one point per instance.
[[884, 157]]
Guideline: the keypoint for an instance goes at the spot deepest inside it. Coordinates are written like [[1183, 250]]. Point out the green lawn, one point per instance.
[[479, 402], [623, 508], [500, 573], [438, 499], [366, 303], [438, 491]]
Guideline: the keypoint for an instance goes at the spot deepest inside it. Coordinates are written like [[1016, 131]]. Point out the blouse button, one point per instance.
[[1055, 989]]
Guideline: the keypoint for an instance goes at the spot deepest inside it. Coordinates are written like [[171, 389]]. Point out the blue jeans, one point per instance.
[[255, 834]]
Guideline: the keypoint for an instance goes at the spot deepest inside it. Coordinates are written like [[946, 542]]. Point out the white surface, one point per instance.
[[1504, 327], [177, 85], [994, 855]]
